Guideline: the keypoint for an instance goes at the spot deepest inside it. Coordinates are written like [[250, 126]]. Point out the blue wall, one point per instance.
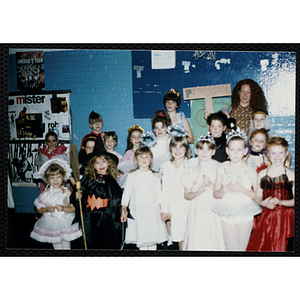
[[101, 80]]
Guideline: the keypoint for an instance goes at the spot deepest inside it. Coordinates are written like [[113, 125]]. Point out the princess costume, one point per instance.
[[273, 227]]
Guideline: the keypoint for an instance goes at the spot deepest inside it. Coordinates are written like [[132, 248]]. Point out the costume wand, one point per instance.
[[75, 167]]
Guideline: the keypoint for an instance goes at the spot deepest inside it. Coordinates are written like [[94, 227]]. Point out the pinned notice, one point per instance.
[[163, 59]]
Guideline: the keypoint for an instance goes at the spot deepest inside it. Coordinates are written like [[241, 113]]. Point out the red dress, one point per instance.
[[273, 227]]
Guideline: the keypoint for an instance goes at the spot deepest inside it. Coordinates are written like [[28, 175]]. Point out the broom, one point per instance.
[[75, 167]]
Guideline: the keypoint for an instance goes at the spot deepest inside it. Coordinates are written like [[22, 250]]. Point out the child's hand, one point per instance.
[[269, 202], [229, 187], [78, 194], [238, 188], [202, 189], [59, 207], [124, 214], [50, 209], [165, 217]]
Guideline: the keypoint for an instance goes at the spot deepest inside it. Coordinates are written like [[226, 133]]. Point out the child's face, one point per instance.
[[51, 142], [144, 161], [55, 180], [110, 143], [96, 126], [89, 147], [178, 151], [101, 165], [245, 95], [170, 105], [236, 150], [160, 130], [259, 121], [258, 142], [135, 139], [277, 155], [216, 128], [205, 154]]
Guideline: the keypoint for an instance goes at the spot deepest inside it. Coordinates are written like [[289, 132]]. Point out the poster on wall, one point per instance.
[[30, 70], [31, 116]]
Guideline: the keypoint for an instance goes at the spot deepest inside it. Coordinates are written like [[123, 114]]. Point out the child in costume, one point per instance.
[[172, 101], [49, 150], [235, 185], [101, 202], [56, 223], [110, 142], [259, 120], [174, 208], [258, 142], [96, 124], [141, 197], [217, 125], [88, 147], [275, 193], [128, 163], [204, 230], [161, 139]]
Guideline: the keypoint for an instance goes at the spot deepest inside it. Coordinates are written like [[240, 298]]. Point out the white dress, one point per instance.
[[57, 226], [161, 152], [173, 201], [204, 230], [142, 196], [236, 207]]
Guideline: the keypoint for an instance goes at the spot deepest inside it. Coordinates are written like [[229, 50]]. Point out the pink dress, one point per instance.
[[204, 229]]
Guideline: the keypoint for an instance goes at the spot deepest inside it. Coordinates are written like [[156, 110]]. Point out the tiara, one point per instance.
[[176, 130], [172, 91], [148, 139], [206, 138], [236, 133], [135, 127]]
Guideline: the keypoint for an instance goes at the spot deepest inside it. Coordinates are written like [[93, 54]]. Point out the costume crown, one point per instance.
[[148, 139], [236, 133], [176, 130], [172, 91], [206, 138], [135, 127]]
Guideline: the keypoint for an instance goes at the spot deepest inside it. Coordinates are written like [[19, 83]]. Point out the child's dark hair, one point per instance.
[[130, 131], [262, 131], [94, 118], [111, 170], [217, 116], [51, 133], [140, 151], [174, 96], [183, 141], [55, 169], [112, 134], [161, 116], [200, 145]]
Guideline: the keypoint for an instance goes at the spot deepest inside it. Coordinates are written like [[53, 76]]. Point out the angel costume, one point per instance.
[[173, 201], [57, 226], [142, 195], [236, 207], [161, 152], [204, 229]]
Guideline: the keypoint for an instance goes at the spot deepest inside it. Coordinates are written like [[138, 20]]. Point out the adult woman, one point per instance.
[[247, 96]]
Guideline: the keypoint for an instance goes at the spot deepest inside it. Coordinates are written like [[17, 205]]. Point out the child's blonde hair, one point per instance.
[[183, 141], [111, 170], [55, 169]]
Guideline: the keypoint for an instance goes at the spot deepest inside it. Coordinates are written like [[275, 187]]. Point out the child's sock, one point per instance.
[[170, 240]]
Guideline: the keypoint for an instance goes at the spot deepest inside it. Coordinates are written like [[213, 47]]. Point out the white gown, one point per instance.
[[173, 201], [204, 230], [142, 195]]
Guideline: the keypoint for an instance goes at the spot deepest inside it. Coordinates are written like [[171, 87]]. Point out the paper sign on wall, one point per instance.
[[163, 59]]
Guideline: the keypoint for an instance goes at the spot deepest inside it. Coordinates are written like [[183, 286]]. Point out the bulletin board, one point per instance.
[[155, 72]]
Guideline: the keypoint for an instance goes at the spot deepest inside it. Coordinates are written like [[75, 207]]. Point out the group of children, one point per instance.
[[237, 194]]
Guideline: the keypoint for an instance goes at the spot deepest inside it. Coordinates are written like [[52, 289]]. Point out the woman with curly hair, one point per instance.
[[247, 97]]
